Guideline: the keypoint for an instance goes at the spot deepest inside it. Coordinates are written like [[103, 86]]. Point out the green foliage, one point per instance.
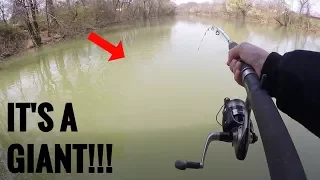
[[42, 21], [8, 32], [11, 40]]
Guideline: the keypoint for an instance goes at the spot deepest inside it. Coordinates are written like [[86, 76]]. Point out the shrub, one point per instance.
[[11, 40]]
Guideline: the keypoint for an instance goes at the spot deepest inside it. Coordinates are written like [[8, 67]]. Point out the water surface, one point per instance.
[[156, 105]]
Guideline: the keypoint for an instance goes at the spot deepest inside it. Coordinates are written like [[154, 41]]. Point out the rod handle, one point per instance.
[[244, 65], [282, 157]]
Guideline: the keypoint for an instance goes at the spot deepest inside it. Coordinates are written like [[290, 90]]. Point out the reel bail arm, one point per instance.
[[237, 129]]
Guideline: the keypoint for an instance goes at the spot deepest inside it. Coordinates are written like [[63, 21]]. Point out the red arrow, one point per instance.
[[115, 51]]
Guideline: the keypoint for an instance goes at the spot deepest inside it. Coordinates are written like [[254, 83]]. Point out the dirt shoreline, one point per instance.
[[56, 38], [28, 44]]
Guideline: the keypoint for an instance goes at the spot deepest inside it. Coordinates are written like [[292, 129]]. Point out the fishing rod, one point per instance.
[[282, 157]]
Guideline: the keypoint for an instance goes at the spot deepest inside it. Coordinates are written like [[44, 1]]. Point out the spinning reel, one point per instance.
[[284, 162], [237, 129]]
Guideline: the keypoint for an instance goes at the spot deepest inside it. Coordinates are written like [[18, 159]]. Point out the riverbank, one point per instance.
[[20, 31], [270, 21], [55, 38], [26, 44]]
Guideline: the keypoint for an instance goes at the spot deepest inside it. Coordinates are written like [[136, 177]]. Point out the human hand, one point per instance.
[[248, 53]]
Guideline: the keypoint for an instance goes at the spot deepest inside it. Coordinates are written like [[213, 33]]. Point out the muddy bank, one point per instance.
[[27, 44], [53, 38]]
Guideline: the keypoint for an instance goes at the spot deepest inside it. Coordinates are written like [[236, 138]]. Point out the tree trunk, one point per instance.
[[30, 29], [24, 8], [144, 10], [2, 13], [83, 2], [15, 12], [308, 8], [37, 38], [69, 5], [50, 15], [47, 17], [303, 4], [115, 10], [52, 19], [36, 6], [243, 12]]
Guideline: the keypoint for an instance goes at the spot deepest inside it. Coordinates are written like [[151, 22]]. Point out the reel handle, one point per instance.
[[183, 165]]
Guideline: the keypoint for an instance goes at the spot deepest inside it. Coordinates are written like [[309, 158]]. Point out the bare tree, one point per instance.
[[308, 9], [242, 6], [284, 15], [83, 2], [28, 9], [50, 15], [36, 6], [16, 12], [305, 11], [2, 11], [303, 6]]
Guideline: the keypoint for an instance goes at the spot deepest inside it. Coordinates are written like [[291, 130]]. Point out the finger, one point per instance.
[[237, 77], [232, 64], [237, 66], [235, 53]]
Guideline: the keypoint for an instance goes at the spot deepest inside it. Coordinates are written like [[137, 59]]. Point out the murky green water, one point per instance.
[[156, 105]]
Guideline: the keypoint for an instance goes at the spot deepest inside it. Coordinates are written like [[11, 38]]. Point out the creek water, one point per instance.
[[155, 106]]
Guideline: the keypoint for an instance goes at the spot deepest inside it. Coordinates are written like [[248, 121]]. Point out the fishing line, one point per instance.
[[209, 29]]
